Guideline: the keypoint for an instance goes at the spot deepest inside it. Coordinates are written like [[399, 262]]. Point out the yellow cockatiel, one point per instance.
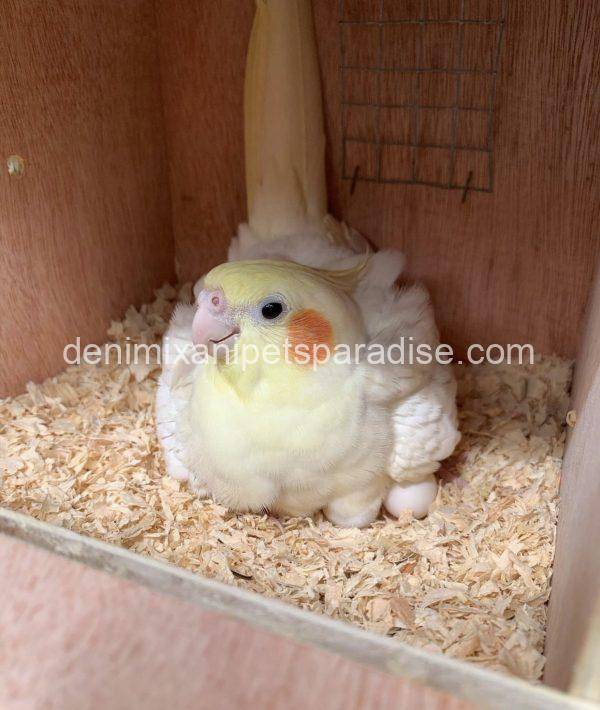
[[277, 421], [288, 412]]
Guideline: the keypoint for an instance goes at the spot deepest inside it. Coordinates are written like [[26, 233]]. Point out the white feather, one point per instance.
[[175, 389]]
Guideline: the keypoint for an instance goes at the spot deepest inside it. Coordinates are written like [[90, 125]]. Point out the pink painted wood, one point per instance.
[[75, 638]]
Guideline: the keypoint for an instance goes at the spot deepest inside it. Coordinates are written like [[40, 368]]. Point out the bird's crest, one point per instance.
[[237, 272]]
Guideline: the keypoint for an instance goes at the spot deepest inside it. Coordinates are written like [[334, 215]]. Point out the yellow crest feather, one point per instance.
[[236, 276]]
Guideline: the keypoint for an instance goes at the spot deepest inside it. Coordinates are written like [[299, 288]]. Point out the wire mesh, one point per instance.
[[418, 90]]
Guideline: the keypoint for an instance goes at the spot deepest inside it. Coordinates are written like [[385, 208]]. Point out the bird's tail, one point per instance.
[[284, 129]]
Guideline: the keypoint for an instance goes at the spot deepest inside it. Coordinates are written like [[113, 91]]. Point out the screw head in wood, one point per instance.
[[15, 165]]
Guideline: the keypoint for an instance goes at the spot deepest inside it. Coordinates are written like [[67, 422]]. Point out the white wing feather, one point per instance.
[[425, 423], [174, 388]]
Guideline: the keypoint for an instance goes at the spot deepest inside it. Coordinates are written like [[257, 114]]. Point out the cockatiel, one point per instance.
[[294, 435], [285, 434]]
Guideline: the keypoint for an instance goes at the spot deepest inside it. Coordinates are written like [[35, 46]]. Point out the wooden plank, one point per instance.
[[460, 680], [86, 230], [511, 266], [576, 578], [80, 638], [585, 681]]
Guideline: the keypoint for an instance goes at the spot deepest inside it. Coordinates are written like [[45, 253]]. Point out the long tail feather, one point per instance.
[[284, 134]]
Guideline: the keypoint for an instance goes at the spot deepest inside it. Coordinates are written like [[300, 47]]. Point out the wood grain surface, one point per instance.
[[86, 230], [74, 638], [514, 265], [576, 578], [203, 54], [467, 681]]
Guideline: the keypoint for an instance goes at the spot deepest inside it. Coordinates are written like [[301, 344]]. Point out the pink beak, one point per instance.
[[211, 326]]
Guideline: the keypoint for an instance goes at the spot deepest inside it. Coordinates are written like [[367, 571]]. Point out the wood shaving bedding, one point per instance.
[[471, 580]]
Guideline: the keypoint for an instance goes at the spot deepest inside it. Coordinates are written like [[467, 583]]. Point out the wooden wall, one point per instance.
[[576, 578], [511, 266], [86, 230], [203, 54]]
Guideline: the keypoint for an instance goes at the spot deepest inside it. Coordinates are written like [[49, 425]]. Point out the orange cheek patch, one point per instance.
[[310, 337]]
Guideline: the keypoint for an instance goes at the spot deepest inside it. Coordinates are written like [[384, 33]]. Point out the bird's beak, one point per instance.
[[212, 327]]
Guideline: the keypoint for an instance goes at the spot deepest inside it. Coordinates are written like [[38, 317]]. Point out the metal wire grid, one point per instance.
[[416, 106]]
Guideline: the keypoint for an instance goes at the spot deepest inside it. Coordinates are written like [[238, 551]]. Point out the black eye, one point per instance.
[[271, 310]]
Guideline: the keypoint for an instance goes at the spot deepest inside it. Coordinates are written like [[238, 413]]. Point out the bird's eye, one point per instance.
[[271, 310]]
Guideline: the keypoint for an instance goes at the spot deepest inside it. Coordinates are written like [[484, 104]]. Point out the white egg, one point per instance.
[[417, 497]]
